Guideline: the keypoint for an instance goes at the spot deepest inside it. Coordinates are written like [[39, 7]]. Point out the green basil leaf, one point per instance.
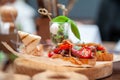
[[60, 19], [74, 29]]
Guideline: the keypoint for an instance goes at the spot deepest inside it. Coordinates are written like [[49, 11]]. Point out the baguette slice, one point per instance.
[[104, 57], [29, 40]]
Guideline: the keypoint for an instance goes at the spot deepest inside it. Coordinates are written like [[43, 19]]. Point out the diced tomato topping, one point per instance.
[[84, 52], [64, 46], [56, 50], [50, 54], [100, 48]]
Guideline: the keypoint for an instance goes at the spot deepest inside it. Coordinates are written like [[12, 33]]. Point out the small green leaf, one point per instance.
[[60, 19], [12, 57], [2, 56], [74, 29], [99, 52]]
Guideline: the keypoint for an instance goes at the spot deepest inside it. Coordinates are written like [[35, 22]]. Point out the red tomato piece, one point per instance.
[[50, 54], [100, 48], [84, 52], [64, 46]]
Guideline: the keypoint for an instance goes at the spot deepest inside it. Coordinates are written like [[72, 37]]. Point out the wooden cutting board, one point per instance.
[[33, 66], [11, 76], [52, 75]]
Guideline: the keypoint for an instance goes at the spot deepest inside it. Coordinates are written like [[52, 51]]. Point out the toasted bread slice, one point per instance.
[[29, 40], [104, 57]]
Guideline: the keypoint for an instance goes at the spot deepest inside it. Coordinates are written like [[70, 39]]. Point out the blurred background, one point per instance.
[[105, 14], [98, 20]]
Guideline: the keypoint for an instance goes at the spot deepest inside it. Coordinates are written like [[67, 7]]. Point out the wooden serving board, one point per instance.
[[33, 66], [52, 75], [11, 76]]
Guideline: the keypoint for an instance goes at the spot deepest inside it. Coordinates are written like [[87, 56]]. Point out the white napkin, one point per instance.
[[117, 47], [5, 28]]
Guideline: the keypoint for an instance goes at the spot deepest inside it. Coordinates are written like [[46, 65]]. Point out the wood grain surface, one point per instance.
[[25, 66]]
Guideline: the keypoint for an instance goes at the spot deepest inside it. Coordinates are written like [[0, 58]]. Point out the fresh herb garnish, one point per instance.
[[74, 28]]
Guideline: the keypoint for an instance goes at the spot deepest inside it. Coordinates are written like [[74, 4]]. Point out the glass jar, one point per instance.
[[59, 31]]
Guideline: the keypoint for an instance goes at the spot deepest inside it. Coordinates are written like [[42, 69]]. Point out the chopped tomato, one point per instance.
[[50, 54], [84, 52], [100, 48], [56, 50], [64, 46]]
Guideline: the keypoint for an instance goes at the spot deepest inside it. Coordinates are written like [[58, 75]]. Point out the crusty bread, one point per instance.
[[52, 75], [24, 66], [90, 62], [38, 51], [29, 40], [104, 57]]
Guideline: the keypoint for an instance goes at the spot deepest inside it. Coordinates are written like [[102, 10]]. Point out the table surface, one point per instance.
[[116, 72], [116, 65]]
